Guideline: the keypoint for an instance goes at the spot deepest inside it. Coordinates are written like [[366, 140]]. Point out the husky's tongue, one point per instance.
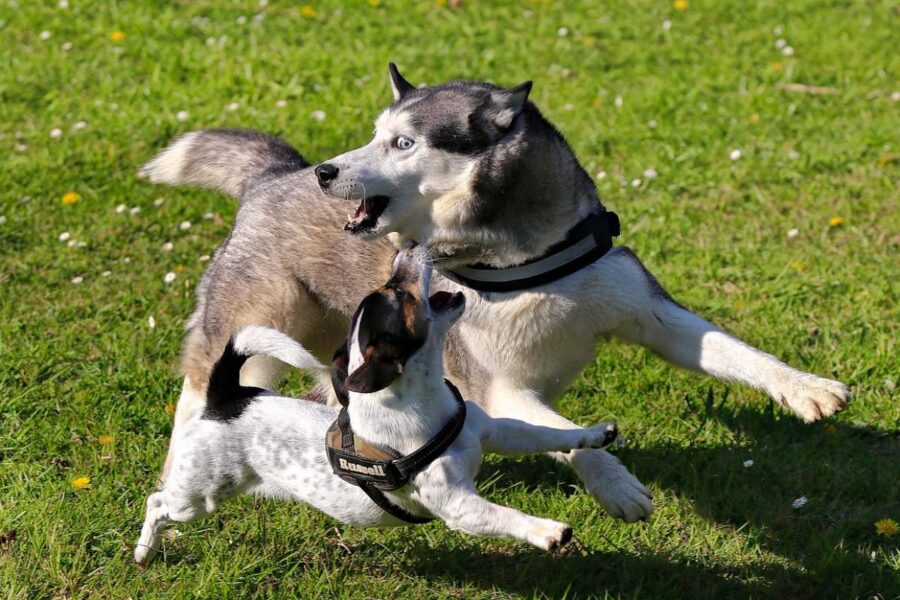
[[367, 214]]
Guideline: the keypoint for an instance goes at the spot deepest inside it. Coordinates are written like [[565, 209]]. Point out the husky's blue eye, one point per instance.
[[403, 143]]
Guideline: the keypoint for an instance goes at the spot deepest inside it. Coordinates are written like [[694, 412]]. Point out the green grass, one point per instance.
[[80, 361]]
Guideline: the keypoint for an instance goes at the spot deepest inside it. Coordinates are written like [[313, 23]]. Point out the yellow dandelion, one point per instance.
[[886, 159], [887, 527], [836, 221], [597, 102], [754, 118], [680, 4], [798, 266], [777, 66], [81, 483], [106, 440], [71, 198], [590, 42], [441, 2], [179, 269], [308, 11], [374, 3], [829, 428], [169, 408], [117, 36]]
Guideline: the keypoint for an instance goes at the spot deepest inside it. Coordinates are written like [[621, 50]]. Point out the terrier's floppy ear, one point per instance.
[[339, 364], [506, 104], [376, 373], [399, 85]]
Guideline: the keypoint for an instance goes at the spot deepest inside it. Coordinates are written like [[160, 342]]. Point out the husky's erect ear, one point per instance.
[[507, 104], [376, 373], [399, 85]]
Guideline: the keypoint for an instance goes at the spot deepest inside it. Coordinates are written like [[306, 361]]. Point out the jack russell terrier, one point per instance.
[[411, 455]]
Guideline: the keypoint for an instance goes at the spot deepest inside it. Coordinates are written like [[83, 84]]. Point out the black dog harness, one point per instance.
[[375, 469], [590, 239]]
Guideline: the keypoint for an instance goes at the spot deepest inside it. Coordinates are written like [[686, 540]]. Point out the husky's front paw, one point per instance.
[[549, 535], [812, 398], [610, 483], [599, 436]]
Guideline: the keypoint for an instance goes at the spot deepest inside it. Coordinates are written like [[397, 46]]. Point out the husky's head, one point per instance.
[[418, 172]]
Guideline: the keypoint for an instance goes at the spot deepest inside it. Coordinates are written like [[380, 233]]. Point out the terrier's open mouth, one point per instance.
[[367, 214], [444, 301]]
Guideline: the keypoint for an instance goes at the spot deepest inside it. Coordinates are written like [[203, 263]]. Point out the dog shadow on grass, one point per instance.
[[848, 474]]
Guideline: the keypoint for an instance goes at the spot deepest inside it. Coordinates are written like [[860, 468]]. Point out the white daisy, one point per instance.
[[151, 322], [56, 133], [182, 115], [167, 247], [2, 219], [105, 273], [72, 243], [635, 183], [318, 115], [777, 30], [650, 174], [81, 244], [204, 258], [667, 25], [66, 46], [232, 107], [63, 236], [170, 277], [601, 174], [281, 103], [780, 43], [184, 225], [241, 20], [787, 51], [793, 155], [77, 280], [651, 123], [263, 3], [618, 101], [79, 125], [159, 201], [121, 208], [748, 463], [210, 41], [792, 233], [173, 533], [562, 31], [44, 35], [735, 154], [800, 502], [134, 210], [126, 260], [208, 216], [63, 4]]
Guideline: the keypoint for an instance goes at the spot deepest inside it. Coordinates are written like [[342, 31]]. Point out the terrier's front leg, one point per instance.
[[449, 493]]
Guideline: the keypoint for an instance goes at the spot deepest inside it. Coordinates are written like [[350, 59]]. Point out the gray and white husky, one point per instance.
[[478, 175]]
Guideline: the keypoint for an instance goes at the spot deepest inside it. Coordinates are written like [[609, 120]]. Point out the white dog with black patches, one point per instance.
[[249, 440]]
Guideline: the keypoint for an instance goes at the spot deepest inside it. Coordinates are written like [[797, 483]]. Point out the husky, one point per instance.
[[389, 376], [475, 173]]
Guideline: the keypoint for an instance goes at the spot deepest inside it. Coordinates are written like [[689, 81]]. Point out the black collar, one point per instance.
[[375, 468], [590, 239]]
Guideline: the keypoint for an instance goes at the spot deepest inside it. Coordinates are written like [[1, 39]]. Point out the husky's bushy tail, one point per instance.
[[222, 159]]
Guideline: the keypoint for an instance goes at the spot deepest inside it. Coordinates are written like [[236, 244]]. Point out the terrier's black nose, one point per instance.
[[326, 173]]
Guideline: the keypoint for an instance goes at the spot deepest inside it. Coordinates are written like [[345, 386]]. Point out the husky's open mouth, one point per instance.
[[443, 301], [367, 214]]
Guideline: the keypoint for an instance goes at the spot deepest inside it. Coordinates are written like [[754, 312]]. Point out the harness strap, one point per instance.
[[590, 239], [375, 469]]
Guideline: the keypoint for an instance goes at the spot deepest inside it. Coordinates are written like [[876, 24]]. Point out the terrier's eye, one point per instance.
[[404, 143]]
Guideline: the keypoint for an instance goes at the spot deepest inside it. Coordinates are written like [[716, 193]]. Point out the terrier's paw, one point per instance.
[[812, 398], [550, 535], [143, 555], [600, 435]]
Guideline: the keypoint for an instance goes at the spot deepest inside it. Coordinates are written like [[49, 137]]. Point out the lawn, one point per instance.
[[750, 149]]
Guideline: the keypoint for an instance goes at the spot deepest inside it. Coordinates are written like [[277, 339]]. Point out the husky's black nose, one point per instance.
[[326, 173]]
